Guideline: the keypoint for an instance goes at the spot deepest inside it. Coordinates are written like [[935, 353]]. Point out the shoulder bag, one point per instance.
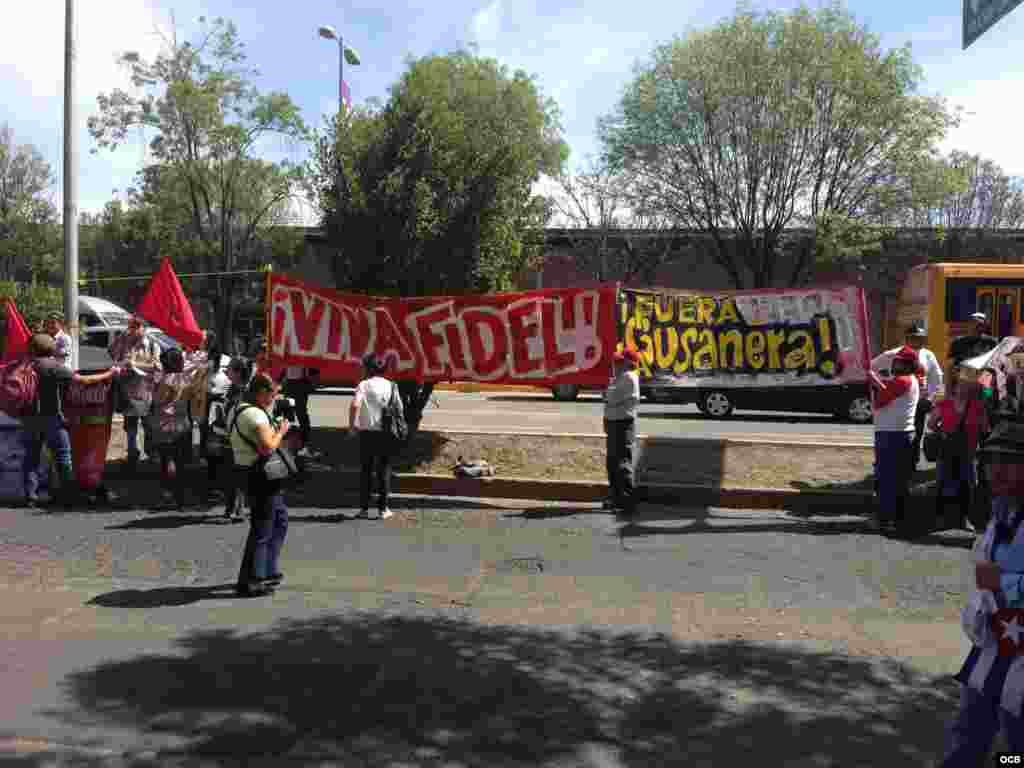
[[393, 421], [279, 466]]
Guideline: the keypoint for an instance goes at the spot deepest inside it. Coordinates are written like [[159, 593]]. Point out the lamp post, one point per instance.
[[70, 184], [344, 54]]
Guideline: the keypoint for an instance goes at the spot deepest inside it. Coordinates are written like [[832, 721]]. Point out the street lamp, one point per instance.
[[344, 54]]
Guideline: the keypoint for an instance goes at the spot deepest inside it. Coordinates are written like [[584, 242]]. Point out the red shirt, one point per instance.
[[975, 418]]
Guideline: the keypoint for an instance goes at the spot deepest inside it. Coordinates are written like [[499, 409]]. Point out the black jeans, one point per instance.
[[174, 457], [620, 438], [375, 461], [924, 407], [300, 390]]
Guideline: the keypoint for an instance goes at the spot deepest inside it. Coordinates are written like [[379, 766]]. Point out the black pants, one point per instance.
[[620, 437], [300, 390], [924, 407], [375, 462], [174, 457]]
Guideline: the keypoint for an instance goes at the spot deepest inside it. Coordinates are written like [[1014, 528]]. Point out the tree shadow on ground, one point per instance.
[[373, 690]]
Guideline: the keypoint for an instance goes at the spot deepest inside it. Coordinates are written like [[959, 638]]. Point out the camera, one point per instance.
[[284, 408]]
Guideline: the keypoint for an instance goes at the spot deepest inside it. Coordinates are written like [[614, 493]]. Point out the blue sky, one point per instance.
[[581, 53]]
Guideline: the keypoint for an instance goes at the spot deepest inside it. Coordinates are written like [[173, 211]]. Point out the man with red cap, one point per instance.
[[895, 407], [620, 401]]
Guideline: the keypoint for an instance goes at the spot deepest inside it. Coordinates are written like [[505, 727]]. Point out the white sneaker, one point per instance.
[[381, 515], [305, 453]]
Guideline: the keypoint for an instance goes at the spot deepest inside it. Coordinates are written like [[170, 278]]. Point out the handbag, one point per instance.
[[279, 466], [393, 421], [939, 444]]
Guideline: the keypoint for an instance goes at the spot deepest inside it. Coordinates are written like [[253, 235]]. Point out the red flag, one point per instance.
[[16, 336], [166, 307]]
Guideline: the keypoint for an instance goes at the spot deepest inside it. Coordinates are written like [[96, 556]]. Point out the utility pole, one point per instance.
[[70, 185]]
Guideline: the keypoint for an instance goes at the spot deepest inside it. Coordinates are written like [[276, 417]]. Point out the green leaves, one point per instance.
[[435, 184], [765, 121]]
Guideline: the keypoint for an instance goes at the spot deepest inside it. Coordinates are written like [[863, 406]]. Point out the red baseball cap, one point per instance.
[[627, 355]]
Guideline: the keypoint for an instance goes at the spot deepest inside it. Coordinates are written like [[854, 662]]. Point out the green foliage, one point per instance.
[[30, 234], [766, 121], [208, 198], [436, 184], [34, 300]]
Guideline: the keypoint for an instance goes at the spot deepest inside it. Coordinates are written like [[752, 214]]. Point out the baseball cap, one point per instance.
[[981, 317], [916, 329]]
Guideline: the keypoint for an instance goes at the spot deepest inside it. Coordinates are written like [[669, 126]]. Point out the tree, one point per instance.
[[211, 196], [29, 229], [980, 195], [436, 184], [766, 121], [613, 233]]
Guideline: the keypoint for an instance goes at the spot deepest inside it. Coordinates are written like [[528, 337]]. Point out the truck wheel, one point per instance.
[[715, 403], [565, 392], [859, 411]]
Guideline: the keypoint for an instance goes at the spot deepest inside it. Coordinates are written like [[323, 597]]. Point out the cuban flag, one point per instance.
[[997, 627]]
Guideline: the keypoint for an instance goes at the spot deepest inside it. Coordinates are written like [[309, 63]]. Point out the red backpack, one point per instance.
[[19, 387]]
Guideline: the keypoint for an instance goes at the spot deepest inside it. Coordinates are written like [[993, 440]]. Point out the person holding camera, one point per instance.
[[255, 435], [366, 417]]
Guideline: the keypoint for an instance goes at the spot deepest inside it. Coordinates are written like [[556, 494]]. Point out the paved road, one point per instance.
[[478, 633], [515, 412]]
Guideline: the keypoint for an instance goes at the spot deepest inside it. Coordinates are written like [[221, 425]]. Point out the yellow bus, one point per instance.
[[944, 296]]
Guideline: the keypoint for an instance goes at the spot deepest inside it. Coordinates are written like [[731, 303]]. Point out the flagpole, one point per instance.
[[266, 311], [70, 185]]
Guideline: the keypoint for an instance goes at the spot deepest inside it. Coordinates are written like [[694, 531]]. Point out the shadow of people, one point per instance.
[[162, 596], [379, 689]]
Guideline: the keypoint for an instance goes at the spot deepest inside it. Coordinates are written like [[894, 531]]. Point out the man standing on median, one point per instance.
[[620, 401]]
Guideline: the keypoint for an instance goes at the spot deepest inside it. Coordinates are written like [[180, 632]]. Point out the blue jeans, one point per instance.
[[975, 728], [892, 472], [131, 430], [54, 432], [267, 530]]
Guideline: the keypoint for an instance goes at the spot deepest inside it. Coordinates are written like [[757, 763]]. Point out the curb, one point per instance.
[[332, 488]]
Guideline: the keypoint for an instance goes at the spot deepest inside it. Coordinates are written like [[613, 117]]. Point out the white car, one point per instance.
[[94, 312]]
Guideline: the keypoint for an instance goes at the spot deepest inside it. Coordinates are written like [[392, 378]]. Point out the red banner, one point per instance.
[[88, 409], [537, 337]]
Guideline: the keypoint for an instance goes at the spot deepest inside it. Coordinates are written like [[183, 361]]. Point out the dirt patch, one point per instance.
[[583, 458], [713, 462]]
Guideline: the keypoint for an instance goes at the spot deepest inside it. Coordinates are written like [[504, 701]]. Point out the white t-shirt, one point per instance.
[[248, 422], [372, 396], [218, 384], [897, 415]]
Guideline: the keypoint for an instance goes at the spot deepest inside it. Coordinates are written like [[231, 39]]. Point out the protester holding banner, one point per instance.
[[46, 423], [895, 403], [139, 357], [255, 434], [170, 425], [620, 402]]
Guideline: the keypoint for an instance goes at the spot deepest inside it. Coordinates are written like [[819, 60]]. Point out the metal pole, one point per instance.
[[70, 185], [341, 110]]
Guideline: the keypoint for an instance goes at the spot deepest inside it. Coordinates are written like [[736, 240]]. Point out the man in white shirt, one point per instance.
[[365, 416], [620, 402], [930, 381]]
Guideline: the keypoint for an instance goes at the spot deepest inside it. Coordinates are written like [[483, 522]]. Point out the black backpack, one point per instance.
[[393, 421], [172, 360]]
